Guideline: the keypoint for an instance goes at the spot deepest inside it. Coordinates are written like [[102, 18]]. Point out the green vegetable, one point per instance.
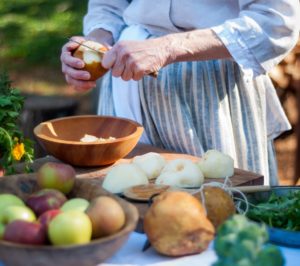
[[279, 211], [240, 242]]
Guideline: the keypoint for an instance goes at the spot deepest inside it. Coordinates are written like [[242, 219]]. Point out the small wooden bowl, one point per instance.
[[93, 253], [61, 138]]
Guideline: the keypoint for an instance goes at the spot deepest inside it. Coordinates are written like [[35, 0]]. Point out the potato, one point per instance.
[[219, 204], [176, 224], [123, 176], [91, 58]]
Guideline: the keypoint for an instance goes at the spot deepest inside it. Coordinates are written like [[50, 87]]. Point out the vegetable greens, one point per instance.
[[279, 211]]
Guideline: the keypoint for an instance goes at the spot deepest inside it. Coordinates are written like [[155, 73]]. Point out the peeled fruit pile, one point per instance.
[[180, 173], [218, 203], [91, 58], [176, 224]]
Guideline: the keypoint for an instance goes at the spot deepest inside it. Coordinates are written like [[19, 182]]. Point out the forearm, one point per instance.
[[101, 36], [194, 46]]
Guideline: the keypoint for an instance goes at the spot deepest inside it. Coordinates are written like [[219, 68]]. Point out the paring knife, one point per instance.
[[98, 51], [153, 74]]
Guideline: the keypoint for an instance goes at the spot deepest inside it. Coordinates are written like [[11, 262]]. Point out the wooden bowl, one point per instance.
[[93, 253], [61, 138]]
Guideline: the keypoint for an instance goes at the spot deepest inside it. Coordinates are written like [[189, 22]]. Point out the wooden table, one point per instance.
[[240, 177]]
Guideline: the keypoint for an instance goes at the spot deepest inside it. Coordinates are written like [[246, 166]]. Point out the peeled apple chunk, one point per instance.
[[215, 164], [123, 176], [92, 59], [180, 173], [176, 224], [151, 163], [218, 203]]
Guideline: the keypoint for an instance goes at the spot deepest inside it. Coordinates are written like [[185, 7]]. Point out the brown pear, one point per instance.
[[176, 224]]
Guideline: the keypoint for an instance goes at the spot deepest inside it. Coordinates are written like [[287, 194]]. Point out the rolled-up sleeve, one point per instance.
[[106, 15], [263, 33]]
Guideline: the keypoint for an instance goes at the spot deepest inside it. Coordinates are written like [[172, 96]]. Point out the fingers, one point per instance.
[[71, 67], [109, 58], [80, 85]]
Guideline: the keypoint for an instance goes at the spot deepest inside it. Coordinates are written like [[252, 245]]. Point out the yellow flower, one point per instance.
[[18, 151]]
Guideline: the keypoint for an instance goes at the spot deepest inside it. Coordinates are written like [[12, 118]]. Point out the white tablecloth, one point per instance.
[[131, 254]]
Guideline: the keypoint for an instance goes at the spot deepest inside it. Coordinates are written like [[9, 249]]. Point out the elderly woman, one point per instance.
[[212, 90]]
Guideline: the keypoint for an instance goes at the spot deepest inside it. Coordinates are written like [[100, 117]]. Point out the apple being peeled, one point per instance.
[[180, 173], [107, 216], [91, 58], [25, 232], [215, 164], [58, 176], [45, 199], [68, 228]]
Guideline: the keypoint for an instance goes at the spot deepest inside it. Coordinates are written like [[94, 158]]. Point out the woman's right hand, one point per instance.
[[72, 67]]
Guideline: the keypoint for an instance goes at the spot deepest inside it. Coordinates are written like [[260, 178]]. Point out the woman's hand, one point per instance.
[[135, 59], [72, 66]]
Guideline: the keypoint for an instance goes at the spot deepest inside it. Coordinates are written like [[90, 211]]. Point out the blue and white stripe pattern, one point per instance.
[[195, 106]]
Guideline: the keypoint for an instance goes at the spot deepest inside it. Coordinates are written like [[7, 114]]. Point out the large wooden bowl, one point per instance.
[[93, 253], [61, 138]]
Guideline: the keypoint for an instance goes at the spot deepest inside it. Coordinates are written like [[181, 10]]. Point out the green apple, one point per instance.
[[79, 204], [70, 228], [9, 200], [12, 213], [2, 229]]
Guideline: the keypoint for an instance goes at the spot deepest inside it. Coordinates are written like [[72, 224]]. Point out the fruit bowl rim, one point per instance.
[[138, 131]]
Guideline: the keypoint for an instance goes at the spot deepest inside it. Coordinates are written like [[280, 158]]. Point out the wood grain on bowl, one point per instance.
[[93, 253], [61, 138]]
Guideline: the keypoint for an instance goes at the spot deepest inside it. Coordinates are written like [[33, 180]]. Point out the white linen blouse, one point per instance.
[[257, 33]]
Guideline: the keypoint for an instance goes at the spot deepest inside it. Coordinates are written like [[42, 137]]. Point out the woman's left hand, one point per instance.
[[135, 59]]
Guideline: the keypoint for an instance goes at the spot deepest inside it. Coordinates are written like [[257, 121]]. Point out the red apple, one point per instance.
[[58, 176], [45, 199], [47, 216], [24, 232]]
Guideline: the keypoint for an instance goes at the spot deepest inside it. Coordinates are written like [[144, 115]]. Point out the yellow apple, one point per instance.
[[91, 58], [70, 228], [107, 216]]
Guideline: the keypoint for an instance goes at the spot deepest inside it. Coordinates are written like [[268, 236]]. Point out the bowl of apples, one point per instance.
[[53, 218], [88, 140]]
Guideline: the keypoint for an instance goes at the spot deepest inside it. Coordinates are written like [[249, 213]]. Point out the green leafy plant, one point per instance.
[[13, 146], [278, 211]]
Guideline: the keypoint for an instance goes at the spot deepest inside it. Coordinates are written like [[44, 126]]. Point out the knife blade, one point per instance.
[[99, 51], [153, 74]]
